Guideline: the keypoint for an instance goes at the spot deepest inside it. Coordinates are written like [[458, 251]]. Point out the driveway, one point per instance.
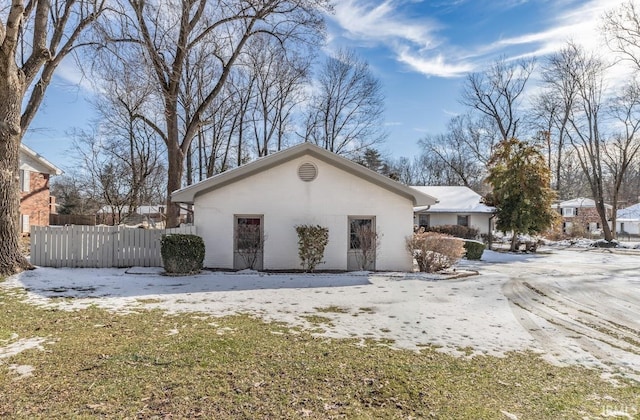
[[572, 306]]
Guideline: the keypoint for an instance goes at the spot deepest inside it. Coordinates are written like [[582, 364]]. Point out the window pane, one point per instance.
[[355, 226], [463, 221], [248, 234]]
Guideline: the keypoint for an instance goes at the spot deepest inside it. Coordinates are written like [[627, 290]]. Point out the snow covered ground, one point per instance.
[[574, 306]]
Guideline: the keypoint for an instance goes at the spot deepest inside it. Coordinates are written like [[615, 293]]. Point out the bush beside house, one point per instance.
[[182, 254]]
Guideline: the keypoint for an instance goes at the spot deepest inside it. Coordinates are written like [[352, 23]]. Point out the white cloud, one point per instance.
[[421, 45], [367, 20], [433, 65]]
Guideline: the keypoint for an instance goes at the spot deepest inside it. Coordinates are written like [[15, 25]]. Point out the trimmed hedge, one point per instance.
[[474, 250], [182, 254], [455, 230]]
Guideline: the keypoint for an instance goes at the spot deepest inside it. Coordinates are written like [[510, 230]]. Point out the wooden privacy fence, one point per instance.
[[98, 246]]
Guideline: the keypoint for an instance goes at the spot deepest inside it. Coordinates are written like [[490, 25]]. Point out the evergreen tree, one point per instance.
[[521, 193]]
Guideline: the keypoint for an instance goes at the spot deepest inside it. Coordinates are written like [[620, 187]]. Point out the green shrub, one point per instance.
[[182, 254], [455, 230], [434, 251], [474, 249], [312, 241]]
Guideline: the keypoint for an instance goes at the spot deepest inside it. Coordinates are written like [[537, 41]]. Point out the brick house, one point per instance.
[[35, 201], [580, 213]]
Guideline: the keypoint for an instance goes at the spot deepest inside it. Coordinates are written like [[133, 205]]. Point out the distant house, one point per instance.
[[456, 206], [149, 215], [581, 212], [35, 201], [256, 207], [628, 220]]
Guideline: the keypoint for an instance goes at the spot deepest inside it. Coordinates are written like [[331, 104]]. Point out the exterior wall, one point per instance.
[[478, 221], [285, 201], [630, 227], [587, 217], [35, 203]]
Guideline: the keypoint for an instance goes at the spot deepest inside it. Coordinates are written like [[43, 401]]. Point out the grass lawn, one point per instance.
[[95, 363]]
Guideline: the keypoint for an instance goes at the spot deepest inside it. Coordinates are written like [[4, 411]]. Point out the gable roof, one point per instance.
[[629, 213], [454, 199], [50, 167], [580, 202], [188, 194]]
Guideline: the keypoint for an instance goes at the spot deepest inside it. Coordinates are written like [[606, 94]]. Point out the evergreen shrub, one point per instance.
[[473, 249], [181, 253]]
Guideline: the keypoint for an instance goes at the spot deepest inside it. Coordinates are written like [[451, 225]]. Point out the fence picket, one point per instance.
[[98, 246]]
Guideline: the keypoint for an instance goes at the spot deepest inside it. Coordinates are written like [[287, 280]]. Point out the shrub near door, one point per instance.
[[182, 254]]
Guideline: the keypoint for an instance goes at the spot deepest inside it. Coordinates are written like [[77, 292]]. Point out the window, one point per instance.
[[248, 234], [25, 180], [356, 228], [24, 221], [569, 212], [424, 221], [463, 221]]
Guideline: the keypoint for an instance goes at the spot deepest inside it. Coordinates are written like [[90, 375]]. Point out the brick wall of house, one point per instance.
[[587, 217], [36, 202]]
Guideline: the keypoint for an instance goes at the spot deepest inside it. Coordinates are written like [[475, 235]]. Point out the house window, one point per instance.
[[463, 221], [25, 180], [358, 227], [424, 221], [569, 212], [248, 235], [24, 223]]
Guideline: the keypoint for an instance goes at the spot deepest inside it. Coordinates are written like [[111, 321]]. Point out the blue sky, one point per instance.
[[421, 50]]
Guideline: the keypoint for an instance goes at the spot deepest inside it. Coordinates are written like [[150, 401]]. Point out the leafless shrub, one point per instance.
[[367, 242], [434, 251], [250, 243]]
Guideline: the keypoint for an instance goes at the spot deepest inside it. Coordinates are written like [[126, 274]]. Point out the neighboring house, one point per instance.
[[35, 201], [151, 215], [258, 205], [581, 212], [456, 206], [628, 220]]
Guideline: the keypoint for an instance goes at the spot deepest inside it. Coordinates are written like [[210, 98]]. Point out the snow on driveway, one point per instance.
[[574, 306]]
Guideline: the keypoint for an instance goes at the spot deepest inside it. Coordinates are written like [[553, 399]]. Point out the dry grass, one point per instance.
[[152, 365]]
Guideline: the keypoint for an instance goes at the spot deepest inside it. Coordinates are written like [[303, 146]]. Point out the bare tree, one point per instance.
[[497, 94], [35, 37], [552, 109], [622, 149], [345, 113], [586, 72], [621, 28], [462, 153], [165, 35], [279, 80]]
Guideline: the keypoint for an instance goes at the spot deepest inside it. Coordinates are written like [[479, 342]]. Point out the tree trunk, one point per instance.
[[174, 182], [11, 91]]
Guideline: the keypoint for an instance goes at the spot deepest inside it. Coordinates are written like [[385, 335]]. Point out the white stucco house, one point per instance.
[[456, 206], [628, 220], [261, 202]]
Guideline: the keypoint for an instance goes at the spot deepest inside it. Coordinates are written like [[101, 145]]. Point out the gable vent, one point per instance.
[[307, 172]]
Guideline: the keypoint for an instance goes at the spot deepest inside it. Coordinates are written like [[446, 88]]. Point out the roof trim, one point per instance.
[[53, 169], [188, 194]]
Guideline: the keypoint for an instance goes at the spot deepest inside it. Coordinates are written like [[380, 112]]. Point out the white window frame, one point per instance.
[[568, 212], [25, 180]]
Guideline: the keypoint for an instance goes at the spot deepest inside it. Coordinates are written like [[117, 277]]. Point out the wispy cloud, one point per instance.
[[422, 45]]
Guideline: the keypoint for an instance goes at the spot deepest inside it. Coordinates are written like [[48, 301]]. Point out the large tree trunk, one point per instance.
[[11, 91], [174, 182]]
